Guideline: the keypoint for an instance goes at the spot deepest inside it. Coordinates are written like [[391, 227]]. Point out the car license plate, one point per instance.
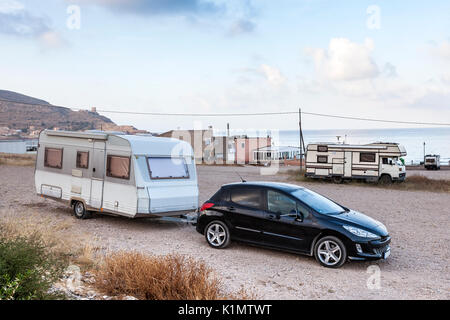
[[387, 253]]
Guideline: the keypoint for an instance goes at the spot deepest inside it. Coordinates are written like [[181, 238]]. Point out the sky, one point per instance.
[[375, 59]]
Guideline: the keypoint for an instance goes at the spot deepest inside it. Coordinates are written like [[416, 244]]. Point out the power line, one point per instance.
[[243, 114], [271, 114]]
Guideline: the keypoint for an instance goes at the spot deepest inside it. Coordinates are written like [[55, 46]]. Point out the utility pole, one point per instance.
[[424, 152], [301, 137]]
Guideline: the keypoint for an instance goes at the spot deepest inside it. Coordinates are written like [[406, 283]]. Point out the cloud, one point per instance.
[[237, 15], [154, 7], [242, 26], [273, 75], [52, 40], [16, 20], [389, 70], [345, 60], [442, 50]]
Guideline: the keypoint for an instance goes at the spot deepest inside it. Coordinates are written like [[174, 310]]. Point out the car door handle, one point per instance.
[[271, 216], [231, 208]]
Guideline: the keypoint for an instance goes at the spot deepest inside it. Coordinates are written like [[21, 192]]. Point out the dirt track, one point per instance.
[[418, 223]]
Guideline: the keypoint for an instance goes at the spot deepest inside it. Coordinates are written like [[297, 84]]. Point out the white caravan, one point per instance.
[[118, 174], [432, 162], [372, 162]]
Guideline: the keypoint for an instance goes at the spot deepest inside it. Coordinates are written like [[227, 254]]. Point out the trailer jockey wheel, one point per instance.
[[80, 211]]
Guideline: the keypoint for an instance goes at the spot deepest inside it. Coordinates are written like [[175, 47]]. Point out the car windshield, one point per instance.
[[318, 202]]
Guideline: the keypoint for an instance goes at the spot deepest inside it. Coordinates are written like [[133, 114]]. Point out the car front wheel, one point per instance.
[[330, 252], [217, 234]]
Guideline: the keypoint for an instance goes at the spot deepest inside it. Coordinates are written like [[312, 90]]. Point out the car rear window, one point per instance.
[[221, 195], [247, 197]]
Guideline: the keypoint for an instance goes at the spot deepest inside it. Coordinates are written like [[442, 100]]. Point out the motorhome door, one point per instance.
[[348, 164], [98, 174]]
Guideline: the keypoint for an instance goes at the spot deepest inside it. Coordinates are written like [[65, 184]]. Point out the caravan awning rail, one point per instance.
[[80, 135]]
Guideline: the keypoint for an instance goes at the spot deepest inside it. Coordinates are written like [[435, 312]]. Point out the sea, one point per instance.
[[417, 141]]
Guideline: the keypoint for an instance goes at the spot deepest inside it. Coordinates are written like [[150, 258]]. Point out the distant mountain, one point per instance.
[[21, 112], [17, 97]]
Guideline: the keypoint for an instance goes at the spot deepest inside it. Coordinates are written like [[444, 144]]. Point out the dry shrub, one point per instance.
[[56, 235], [24, 160], [170, 277], [418, 182], [414, 182]]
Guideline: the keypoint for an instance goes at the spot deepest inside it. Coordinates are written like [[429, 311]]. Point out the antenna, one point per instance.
[[242, 180]]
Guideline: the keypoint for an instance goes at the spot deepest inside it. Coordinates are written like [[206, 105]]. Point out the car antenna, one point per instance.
[[242, 180]]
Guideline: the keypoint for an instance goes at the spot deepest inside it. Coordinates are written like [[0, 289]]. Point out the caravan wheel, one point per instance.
[[80, 211]]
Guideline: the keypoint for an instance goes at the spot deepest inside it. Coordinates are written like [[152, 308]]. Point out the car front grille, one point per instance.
[[381, 250]]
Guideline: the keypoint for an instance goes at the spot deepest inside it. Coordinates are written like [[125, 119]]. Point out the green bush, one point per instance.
[[27, 269]]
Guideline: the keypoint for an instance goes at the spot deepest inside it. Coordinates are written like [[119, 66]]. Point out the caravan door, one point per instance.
[[98, 174], [348, 164]]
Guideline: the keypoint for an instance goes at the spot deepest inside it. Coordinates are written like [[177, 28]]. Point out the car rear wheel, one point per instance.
[[330, 252], [80, 211], [217, 234]]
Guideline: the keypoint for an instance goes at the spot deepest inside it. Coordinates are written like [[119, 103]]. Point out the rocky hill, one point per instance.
[[21, 112]]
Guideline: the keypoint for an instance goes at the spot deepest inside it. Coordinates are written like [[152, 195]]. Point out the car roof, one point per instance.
[[286, 187]]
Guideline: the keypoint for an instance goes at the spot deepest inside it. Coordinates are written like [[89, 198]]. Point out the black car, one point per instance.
[[292, 218]]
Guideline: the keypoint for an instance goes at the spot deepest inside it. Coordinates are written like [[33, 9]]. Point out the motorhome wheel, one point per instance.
[[337, 179], [385, 179]]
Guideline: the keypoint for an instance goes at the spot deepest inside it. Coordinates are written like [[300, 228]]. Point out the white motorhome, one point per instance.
[[432, 162], [118, 174], [377, 161]]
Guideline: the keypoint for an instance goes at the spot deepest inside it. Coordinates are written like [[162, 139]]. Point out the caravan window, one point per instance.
[[367, 157], [322, 148], [53, 158], [322, 159], [167, 168], [118, 167], [82, 160]]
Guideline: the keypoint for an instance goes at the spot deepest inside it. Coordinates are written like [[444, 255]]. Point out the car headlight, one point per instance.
[[360, 232]]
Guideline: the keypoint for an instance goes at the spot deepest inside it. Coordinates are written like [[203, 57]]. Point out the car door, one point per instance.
[[244, 211], [284, 223]]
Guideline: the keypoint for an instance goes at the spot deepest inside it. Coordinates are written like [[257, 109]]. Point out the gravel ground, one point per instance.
[[418, 267]]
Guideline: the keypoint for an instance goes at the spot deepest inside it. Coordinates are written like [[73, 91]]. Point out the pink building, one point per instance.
[[245, 147]]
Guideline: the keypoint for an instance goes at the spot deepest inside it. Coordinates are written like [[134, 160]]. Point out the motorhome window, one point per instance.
[[118, 167], [367, 157], [322, 148], [82, 160], [385, 160], [322, 159], [167, 168], [53, 158]]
